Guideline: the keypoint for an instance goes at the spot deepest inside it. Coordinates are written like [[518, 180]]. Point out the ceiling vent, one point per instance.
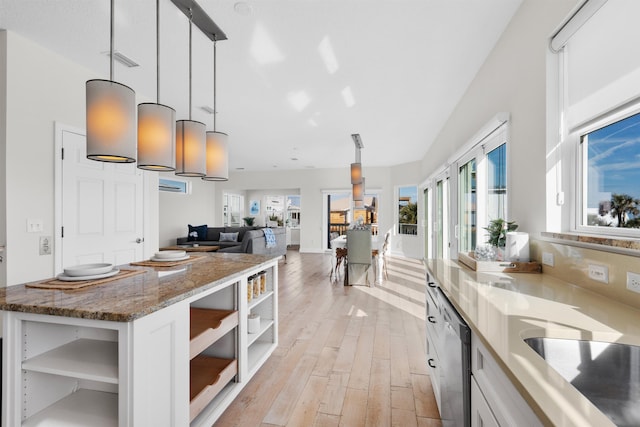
[[124, 60]]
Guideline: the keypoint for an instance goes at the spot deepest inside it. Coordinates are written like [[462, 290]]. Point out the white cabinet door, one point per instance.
[[481, 415], [160, 353]]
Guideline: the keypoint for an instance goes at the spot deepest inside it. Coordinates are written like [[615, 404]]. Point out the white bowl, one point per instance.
[[169, 255], [88, 269]]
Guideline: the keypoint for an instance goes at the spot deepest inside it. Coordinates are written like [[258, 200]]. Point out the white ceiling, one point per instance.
[[406, 64]]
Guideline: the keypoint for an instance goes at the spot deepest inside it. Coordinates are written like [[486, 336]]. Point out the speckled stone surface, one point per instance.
[[605, 241], [130, 298]]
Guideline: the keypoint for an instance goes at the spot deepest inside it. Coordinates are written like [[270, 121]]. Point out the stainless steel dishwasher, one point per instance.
[[455, 366]]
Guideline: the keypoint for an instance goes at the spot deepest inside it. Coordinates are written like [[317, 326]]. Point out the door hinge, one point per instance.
[[61, 231], [62, 153]]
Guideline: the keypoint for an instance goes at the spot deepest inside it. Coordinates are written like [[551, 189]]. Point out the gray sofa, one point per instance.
[[254, 242], [250, 240]]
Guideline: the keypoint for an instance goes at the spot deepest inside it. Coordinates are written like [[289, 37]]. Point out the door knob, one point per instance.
[[139, 240]]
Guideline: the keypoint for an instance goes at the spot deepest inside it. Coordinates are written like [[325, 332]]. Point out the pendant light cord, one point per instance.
[[215, 91], [158, 51], [190, 49], [111, 42]]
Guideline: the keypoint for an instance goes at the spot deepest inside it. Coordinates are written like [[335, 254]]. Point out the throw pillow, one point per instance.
[[228, 237], [197, 233]]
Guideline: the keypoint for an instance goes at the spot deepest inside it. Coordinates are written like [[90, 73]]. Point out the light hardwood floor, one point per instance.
[[347, 356]]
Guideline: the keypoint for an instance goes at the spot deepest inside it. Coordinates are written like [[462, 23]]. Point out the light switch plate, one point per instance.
[[35, 225]]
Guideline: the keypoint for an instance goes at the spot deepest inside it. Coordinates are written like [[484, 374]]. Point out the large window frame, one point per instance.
[[445, 214], [579, 163], [586, 102]]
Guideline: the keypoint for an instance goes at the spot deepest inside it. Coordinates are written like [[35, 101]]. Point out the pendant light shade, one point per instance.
[[111, 116], [111, 122], [191, 144], [358, 190], [190, 148], [356, 173], [217, 157], [157, 125], [156, 137], [217, 148]]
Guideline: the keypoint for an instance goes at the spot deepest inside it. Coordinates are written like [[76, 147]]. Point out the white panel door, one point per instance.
[[102, 207]]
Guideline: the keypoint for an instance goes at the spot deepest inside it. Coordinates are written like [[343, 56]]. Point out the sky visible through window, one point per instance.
[[614, 160], [410, 192]]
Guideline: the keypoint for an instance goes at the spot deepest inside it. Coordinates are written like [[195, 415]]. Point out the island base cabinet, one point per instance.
[[69, 371]]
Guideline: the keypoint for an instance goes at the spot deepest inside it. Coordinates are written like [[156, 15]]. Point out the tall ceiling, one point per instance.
[[296, 77]]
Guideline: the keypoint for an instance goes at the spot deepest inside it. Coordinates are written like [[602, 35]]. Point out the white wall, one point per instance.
[[3, 163], [177, 210], [513, 79]]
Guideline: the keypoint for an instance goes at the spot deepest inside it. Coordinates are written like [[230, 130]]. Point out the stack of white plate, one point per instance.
[[88, 272], [166, 256]]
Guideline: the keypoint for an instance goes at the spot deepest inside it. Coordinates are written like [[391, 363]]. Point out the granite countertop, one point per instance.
[[127, 299], [503, 309]]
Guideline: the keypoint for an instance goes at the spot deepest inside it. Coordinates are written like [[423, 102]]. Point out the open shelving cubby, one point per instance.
[[69, 374], [213, 346]]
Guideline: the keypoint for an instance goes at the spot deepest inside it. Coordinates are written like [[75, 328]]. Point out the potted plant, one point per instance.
[[498, 229], [248, 220]]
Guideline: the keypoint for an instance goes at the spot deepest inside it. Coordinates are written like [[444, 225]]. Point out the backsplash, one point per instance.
[[571, 264]]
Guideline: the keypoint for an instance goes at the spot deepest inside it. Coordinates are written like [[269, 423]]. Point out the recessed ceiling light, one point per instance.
[[294, 158], [243, 8], [239, 169]]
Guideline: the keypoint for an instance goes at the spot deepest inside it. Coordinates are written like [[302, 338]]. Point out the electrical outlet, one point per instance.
[[599, 273], [633, 281], [547, 258]]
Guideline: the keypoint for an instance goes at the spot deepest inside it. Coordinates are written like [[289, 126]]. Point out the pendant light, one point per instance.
[[156, 125], [190, 135], [358, 191], [356, 173], [111, 116], [217, 149]]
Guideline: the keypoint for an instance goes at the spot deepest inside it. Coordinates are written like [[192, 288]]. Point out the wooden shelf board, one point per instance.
[[79, 409], [207, 326], [89, 359], [208, 376], [261, 298]]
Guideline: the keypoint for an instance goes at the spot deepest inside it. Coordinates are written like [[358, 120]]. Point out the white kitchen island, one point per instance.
[[166, 347]]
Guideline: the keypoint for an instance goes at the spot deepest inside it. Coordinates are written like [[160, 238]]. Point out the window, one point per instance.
[[174, 186], [408, 210], [467, 206], [293, 211], [441, 214], [610, 172], [597, 114], [497, 182]]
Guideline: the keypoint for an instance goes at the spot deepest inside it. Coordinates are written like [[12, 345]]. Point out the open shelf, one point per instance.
[[88, 359], [265, 324], [208, 376], [79, 409], [208, 326], [259, 299]]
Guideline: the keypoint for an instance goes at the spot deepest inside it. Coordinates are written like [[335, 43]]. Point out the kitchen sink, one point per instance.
[[608, 374]]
